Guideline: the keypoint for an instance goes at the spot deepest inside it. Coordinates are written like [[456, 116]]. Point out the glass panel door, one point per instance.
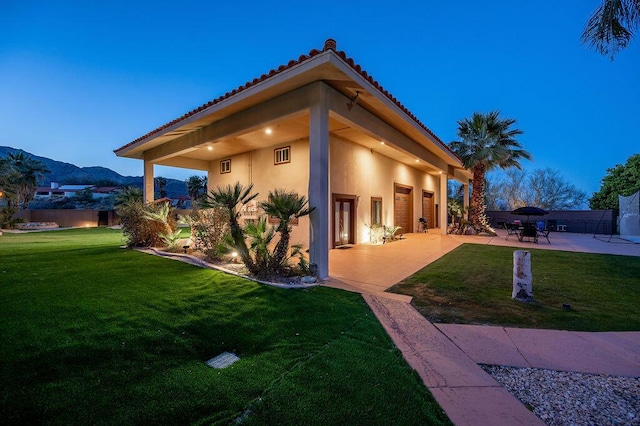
[[342, 222]]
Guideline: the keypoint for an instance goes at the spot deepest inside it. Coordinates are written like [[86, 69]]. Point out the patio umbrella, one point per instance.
[[529, 211]]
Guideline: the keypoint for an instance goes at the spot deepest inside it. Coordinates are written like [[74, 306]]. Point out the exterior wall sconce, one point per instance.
[[353, 101]]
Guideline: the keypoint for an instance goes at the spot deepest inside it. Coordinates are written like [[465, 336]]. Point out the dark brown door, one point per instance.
[[427, 208], [403, 208]]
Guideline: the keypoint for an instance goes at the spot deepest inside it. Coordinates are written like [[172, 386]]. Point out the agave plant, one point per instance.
[[160, 213], [390, 231], [171, 239]]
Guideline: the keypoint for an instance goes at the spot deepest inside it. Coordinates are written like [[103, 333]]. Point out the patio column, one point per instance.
[[319, 184], [465, 200], [443, 204], [147, 182]]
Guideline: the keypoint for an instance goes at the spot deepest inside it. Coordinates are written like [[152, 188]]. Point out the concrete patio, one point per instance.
[[372, 268]]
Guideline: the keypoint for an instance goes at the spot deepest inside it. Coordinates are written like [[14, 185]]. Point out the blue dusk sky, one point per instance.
[[79, 79]]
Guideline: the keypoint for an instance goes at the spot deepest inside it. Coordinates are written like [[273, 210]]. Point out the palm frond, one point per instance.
[[612, 25]]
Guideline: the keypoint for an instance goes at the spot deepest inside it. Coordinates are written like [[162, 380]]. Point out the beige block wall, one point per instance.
[[356, 170], [67, 218]]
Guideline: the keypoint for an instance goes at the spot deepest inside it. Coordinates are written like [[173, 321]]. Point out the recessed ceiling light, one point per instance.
[[210, 148], [381, 143], [417, 161], [268, 130]]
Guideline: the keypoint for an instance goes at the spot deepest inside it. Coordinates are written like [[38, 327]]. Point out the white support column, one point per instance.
[[443, 204], [465, 200], [147, 183], [319, 184]]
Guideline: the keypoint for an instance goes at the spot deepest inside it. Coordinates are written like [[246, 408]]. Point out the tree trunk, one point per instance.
[[522, 278], [477, 211], [280, 252]]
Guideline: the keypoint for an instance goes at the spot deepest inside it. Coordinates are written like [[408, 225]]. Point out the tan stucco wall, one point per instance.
[[257, 167], [356, 170]]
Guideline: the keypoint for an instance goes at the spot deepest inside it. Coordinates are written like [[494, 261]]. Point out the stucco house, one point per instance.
[[322, 126]]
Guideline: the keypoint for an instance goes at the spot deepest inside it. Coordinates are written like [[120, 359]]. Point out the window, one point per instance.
[[376, 211], [225, 166], [282, 155]]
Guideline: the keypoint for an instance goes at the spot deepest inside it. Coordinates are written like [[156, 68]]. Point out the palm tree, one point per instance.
[[231, 199], [128, 196], [161, 183], [486, 142], [24, 180], [611, 26], [260, 236], [196, 186], [285, 206]]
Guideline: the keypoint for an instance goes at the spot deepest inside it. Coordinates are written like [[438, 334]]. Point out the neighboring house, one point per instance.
[[55, 190], [323, 127]]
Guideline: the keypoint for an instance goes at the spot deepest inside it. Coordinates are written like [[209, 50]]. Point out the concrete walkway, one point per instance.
[[447, 356]]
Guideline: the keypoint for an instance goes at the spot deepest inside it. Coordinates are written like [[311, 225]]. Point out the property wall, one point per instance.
[[68, 218], [357, 170], [578, 221]]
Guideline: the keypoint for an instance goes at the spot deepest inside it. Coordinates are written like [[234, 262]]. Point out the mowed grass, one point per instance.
[[473, 284], [95, 334]]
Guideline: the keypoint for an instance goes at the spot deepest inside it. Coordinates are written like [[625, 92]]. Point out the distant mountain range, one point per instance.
[[65, 173]]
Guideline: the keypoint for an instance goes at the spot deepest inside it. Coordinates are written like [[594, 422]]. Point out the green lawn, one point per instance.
[[472, 285], [95, 334]]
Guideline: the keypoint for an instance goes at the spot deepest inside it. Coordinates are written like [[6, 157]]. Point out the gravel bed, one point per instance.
[[566, 398]]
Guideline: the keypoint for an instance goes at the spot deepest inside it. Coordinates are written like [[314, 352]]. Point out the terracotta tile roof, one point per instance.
[[329, 44]]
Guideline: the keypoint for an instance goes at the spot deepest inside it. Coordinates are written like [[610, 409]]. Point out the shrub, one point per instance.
[[138, 228], [209, 227], [6, 217]]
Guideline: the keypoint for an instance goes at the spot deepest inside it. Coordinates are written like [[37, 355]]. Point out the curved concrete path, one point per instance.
[[465, 391], [447, 356]]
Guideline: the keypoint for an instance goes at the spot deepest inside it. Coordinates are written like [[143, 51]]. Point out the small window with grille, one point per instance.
[[225, 166], [282, 155]]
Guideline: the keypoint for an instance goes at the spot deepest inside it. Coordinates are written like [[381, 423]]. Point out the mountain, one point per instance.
[[65, 173]]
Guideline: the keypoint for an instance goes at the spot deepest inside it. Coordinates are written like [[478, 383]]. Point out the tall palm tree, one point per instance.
[[285, 206], [196, 186], [128, 196], [611, 26], [26, 172], [486, 142], [231, 199], [161, 183]]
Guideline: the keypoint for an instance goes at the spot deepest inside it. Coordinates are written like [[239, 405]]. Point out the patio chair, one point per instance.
[[543, 230], [529, 231], [512, 229]]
